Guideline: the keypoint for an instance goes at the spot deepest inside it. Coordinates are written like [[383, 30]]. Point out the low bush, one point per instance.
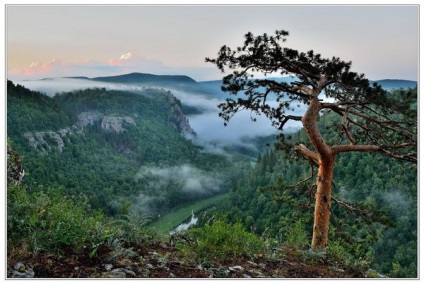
[[48, 220], [221, 241]]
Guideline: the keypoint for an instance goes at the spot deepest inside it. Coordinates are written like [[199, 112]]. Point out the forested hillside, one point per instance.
[[100, 160], [112, 145], [374, 211]]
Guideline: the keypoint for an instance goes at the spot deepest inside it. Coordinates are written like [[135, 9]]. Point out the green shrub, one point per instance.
[[221, 241], [296, 235], [132, 229], [48, 220]]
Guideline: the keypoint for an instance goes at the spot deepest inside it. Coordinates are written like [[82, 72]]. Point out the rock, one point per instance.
[[108, 267], [129, 273], [56, 137], [246, 276], [114, 124], [117, 273], [252, 263], [374, 274], [19, 267], [236, 268], [149, 266], [172, 275], [108, 123], [220, 272], [122, 273], [179, 120], [15, 168], [43, 142], [22, 271], [257, 273], [38, 141], [88, 118]]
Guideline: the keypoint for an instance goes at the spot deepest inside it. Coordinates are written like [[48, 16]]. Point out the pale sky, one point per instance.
[[50, 41]]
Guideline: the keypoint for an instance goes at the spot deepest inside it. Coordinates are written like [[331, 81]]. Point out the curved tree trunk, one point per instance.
[[323, 202], [325, 157]]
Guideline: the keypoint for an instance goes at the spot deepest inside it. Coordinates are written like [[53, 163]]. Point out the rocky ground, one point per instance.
[[161, 260]]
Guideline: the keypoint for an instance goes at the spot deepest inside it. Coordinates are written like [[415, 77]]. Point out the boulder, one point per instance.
[[22, 271]]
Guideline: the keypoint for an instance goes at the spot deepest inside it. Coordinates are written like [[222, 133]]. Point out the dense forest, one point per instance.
[[112, 145], [374, 214], [98, 162]]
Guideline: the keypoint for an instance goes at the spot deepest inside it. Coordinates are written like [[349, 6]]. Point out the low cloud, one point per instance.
[[166, 187], [187, 178]]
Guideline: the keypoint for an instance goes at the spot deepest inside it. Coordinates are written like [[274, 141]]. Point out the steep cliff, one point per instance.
[[15, 168], [179, 120]]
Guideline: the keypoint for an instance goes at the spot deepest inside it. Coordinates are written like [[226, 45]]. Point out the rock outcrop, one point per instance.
[[15, 168], [47, 141], [88, 119], [179, 120], [114, 123], [107, 123]]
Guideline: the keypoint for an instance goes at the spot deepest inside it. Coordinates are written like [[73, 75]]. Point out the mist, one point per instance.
[[189, 179], [398, 202], [52, 86], [239, 132], [165, 187]]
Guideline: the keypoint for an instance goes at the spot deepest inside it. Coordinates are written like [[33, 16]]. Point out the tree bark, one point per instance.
[[324, 177], [323, 202]]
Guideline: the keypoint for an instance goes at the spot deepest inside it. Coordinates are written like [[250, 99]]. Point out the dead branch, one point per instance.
[[350, 208]]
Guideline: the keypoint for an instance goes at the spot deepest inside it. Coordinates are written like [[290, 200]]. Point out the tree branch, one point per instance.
[[411, 157], [287, 118], [386, 124], [346, 148], [308, 154], [345, 125], [276, 86], [349, 207]]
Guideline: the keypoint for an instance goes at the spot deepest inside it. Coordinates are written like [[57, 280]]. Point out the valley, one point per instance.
[[154, 146]]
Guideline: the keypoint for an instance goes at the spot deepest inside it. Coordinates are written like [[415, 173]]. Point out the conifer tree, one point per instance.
[[370, 119]]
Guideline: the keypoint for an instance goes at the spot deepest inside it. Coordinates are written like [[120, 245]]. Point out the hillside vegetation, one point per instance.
[[112, 145], [90, 171], [374, 211]]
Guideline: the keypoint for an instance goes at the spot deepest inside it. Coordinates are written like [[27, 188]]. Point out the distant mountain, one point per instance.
[[137, 77], [390, 84], [179, 82], [214, 86]]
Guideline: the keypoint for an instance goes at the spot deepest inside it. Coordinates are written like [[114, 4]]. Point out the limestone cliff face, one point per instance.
[[88, 118], [114, 123], [107, 123], [48, 141], [179, 120], [45, 142]]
